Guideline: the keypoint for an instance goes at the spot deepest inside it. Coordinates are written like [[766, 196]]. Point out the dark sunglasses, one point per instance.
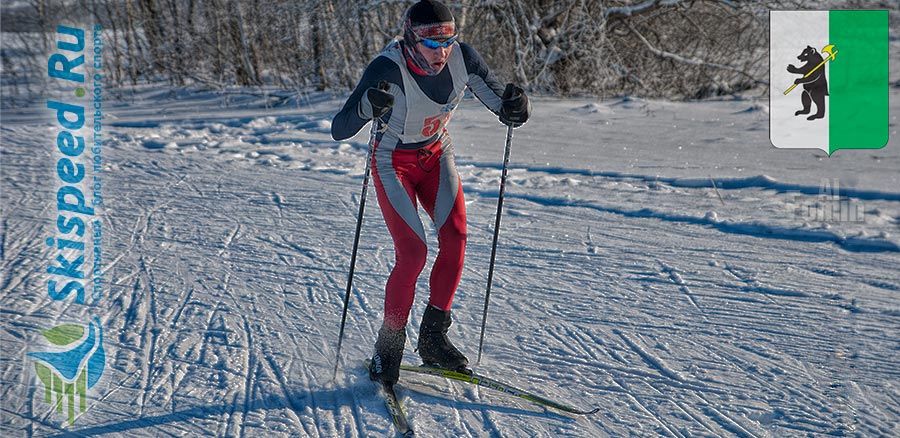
[[432, 44]]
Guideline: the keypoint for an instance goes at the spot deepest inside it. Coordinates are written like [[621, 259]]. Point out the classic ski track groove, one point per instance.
[[677, 278]]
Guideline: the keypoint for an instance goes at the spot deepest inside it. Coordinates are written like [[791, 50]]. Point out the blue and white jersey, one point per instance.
[[422, 104]]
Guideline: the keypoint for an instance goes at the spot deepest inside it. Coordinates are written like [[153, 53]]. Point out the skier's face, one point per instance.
[[436, 58]]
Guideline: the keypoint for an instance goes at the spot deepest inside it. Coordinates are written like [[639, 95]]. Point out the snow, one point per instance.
[[659, 260]]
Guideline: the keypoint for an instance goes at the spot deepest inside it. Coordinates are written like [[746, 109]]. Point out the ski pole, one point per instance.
[[359, 220], [490, 278]]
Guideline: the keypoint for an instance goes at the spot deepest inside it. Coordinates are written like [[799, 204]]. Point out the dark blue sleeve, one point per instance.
[[348, 122], [481, 80]]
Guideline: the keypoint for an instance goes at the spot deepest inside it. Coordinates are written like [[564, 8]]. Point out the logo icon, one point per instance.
[[71, 369], [814, 80], [831, 101]]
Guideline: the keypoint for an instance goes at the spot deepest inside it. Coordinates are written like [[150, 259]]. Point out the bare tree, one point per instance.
[[662, 48]]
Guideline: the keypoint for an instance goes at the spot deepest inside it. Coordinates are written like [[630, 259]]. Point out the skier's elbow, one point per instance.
[[340, 129], [337, 134]]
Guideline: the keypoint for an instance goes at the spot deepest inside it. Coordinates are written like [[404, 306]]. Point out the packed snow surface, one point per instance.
[[659, 260]]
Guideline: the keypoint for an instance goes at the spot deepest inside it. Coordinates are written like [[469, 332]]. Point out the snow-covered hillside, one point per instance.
[[658, 260]]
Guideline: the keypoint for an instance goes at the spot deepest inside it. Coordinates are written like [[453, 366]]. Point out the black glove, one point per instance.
[[516, 108], [376, 102]]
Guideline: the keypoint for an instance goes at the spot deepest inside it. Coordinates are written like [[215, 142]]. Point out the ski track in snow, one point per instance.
[[623, 281]]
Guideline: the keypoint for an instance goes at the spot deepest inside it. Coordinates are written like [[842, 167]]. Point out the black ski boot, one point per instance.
[[385, 364], [434, 347]]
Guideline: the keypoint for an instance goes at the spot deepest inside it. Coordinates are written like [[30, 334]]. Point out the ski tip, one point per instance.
[[591, 412]]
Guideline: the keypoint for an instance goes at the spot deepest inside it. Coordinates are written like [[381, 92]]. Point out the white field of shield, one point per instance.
[[790, 33]]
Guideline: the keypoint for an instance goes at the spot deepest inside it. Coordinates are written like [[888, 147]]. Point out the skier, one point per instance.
[[412, 88]]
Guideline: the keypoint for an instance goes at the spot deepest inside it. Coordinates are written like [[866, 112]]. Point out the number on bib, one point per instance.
[[433, 124]]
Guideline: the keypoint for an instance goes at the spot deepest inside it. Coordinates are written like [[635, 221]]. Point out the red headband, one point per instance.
[[435, 30]]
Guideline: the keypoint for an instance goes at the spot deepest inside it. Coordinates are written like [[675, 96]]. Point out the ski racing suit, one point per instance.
[[414, 160]]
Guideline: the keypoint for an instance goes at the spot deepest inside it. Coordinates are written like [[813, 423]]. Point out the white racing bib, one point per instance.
[[424, 117]]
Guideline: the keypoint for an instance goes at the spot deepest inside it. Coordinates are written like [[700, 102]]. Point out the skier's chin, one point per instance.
[[438, 66]]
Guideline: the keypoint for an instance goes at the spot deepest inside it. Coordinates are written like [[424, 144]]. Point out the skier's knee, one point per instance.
[[411, 253]]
